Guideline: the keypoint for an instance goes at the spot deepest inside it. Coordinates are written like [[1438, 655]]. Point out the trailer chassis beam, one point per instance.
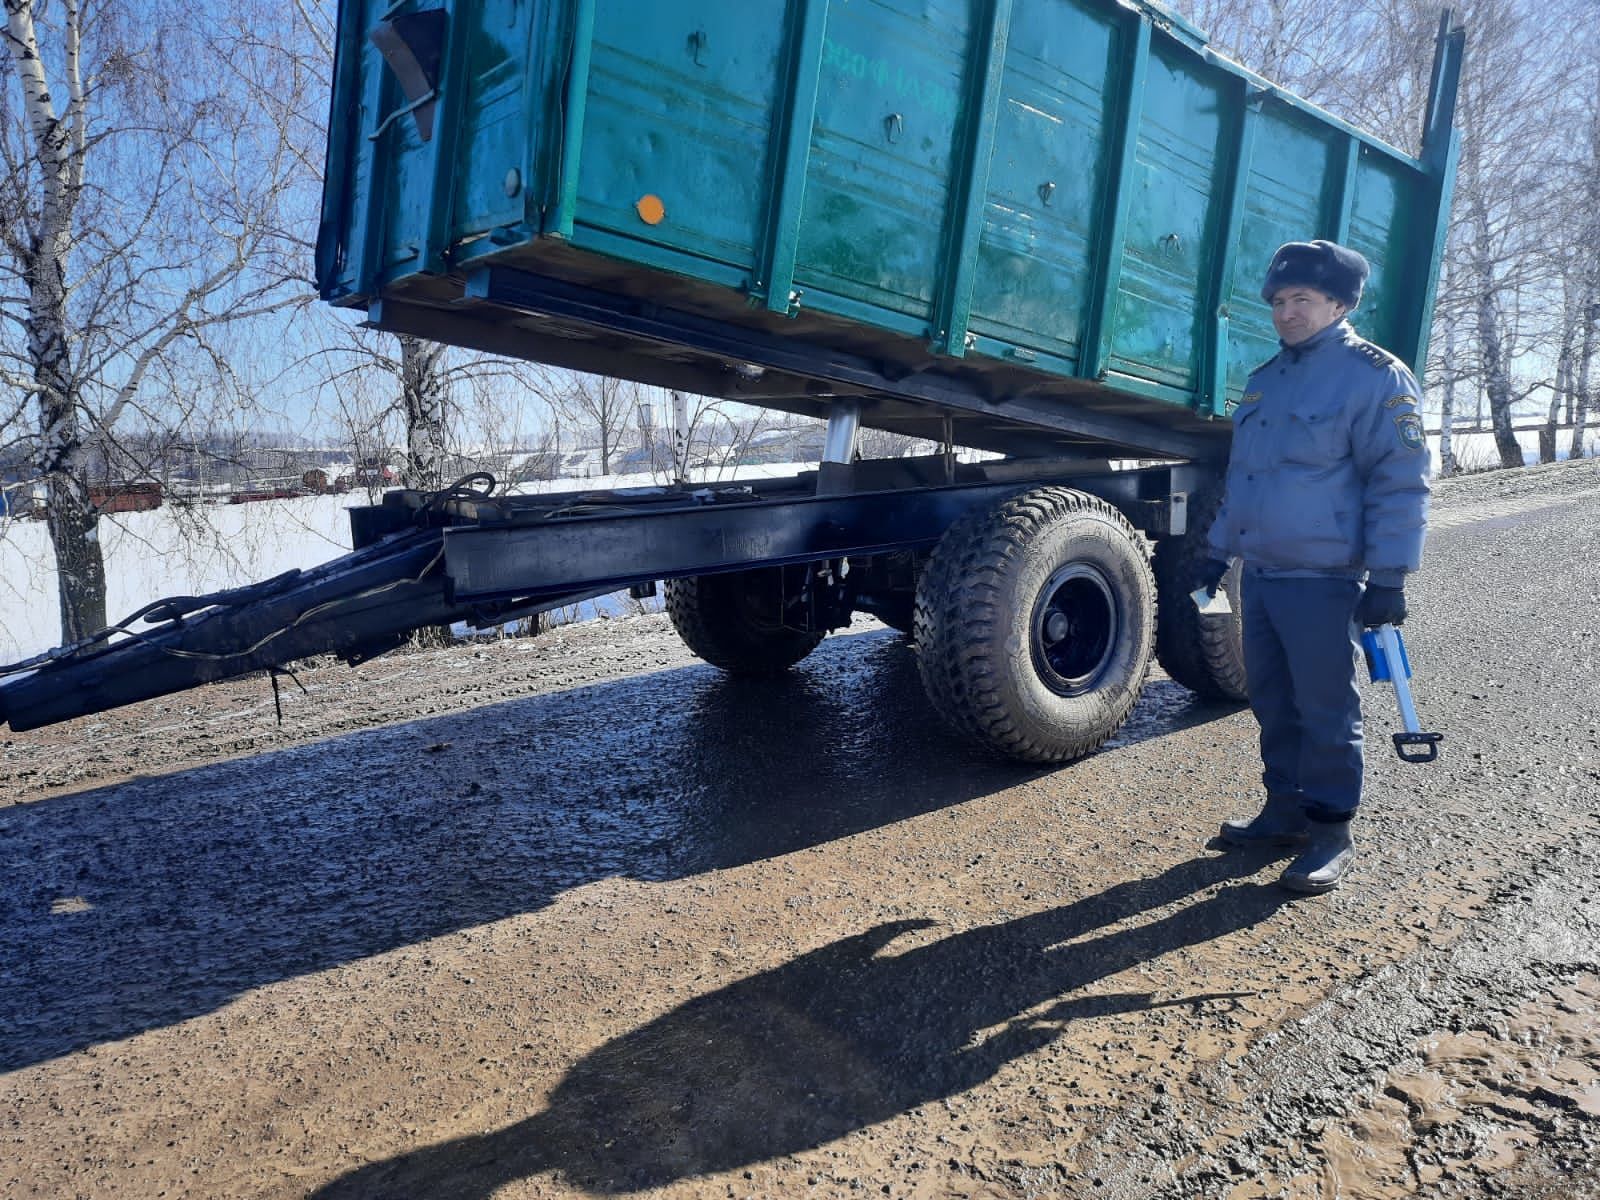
[[536, 556]]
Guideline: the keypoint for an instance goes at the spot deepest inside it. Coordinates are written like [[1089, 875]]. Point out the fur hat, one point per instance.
[[1335, 270]]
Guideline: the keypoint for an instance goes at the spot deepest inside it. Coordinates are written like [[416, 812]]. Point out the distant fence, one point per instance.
[[1522, 427]]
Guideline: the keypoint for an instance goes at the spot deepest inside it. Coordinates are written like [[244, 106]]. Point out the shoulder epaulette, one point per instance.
[[1376, 355]]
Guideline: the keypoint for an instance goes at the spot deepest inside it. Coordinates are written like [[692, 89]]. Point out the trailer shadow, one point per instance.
[[834, 1041], [140, 905]]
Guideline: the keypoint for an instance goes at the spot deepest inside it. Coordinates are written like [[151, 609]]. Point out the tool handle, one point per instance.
[[1398, 673], [1417, 747], [1414, 745]]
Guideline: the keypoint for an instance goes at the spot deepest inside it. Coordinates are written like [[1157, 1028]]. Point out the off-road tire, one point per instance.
[[731, 621], [1203, 653], [978, 606]]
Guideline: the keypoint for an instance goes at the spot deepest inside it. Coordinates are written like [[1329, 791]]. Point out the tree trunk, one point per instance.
[[1580, 415], [1448, 465], [1552, 419], [1496, 380], [73, 523], [58, 146], [80, 566], [423, 401]]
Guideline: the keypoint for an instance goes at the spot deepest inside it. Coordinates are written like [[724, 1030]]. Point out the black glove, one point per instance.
[[1208, 575], [1382, 606]]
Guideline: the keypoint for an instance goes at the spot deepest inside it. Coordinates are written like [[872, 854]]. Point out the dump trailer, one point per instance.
[[1033, 228]]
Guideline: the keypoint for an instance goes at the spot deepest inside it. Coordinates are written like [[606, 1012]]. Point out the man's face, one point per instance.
[[1302, 312]]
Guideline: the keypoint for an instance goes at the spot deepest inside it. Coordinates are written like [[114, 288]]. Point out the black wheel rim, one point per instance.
[[1074, 629]]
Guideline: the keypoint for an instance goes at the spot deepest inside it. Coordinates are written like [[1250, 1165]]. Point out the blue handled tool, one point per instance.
[[1386, 659]]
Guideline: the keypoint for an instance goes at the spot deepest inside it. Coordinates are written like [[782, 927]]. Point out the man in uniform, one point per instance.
[[1326, 503]]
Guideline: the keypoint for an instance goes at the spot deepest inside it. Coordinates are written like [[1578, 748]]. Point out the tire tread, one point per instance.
[[958, 608], [705, 611]]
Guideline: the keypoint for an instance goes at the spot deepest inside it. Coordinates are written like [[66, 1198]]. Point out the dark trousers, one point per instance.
[[1300, 653]]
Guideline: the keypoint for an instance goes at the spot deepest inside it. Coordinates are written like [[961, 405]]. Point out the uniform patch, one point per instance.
[[1249, 397], [1409, 427], [1399, 400]]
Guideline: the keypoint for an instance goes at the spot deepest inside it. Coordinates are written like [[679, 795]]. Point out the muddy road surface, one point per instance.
[[575, 916]]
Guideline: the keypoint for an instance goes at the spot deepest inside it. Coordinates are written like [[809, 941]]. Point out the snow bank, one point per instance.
[[164, 552]]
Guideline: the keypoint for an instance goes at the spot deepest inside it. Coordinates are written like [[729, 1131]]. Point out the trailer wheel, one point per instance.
[[1204, 654], [1035, 623], [734, 621]]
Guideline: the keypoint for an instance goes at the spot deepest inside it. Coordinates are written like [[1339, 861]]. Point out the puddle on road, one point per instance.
[[1472, 1109]]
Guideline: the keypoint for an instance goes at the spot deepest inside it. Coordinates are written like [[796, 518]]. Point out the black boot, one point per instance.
[[1281, 822], [1325, 861]]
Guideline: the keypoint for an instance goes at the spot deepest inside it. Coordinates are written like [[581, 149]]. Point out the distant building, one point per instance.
[[373, 472], [784, 445], [582, 463], [132, 496]]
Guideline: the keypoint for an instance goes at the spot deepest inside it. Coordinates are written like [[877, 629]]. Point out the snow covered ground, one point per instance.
[[170, 551]]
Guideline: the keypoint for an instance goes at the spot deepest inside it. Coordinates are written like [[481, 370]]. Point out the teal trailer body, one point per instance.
[[1033, 226]]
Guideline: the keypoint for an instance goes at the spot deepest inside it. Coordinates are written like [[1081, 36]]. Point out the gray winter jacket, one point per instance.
[[1329, 470]]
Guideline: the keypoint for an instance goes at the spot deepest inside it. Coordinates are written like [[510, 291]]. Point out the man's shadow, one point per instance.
[[834, 1041]]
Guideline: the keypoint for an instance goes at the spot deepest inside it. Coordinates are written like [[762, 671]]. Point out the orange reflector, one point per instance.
[[650, 209]]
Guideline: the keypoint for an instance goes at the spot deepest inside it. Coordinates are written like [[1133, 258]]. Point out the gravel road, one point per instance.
[[577, 916]]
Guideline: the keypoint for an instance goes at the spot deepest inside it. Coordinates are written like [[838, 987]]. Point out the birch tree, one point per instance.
[[1505, 201], [423, 393], [1451, 342], [437, 410], [601, 406], [430, 382], [141, 217], [1498, 311]]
